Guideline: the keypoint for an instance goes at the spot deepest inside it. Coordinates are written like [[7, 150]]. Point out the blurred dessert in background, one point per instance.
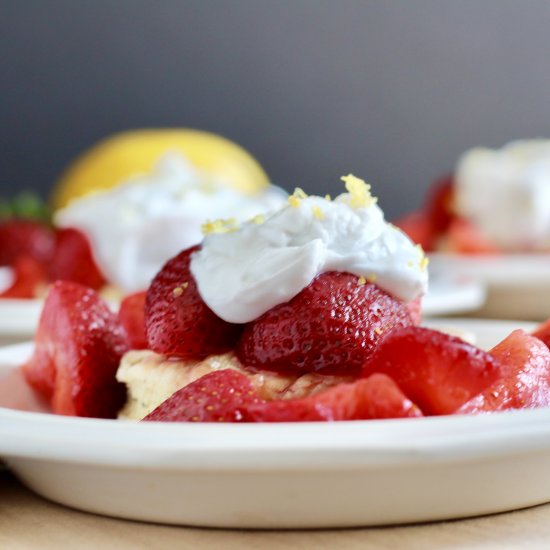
[[127, 205], [490, 221], [497, 200]]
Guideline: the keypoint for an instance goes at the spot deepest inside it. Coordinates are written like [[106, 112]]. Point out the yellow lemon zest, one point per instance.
[[361, 281], [296, 198], [360, 195], [328, 197], [219, 226], [258, 219], [424, 263], [318, 212], [372, 278]]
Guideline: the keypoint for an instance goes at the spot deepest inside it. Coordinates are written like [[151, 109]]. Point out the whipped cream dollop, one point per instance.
[[506, 193], [137, 226], [243, 272]]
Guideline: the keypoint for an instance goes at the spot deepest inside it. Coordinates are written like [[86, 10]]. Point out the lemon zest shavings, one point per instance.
[[361, 281], [372, 278], [318, 212], [258, 219], [219, 226], [296, 198], [359, 190]]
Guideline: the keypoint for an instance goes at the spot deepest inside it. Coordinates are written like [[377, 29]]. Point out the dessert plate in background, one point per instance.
[[450, 295], [280, 475], [518, 285], [18, 319]]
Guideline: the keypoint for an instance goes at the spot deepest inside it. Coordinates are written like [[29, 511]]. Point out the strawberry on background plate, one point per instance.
[[78, 347], [228, 396], [29, 275], [177, 321], [27, 238], [525, 379], [73, 260], [132, 318], [330, 327], [436, 371]]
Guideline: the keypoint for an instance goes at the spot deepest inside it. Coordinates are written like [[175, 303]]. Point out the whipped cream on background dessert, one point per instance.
[[243, 273], [506, 193], [135, 227]]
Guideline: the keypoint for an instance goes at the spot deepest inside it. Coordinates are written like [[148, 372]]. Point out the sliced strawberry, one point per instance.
[[439, 204], [418, 227], [415, 310], [78, 347], [25, 238], [525, 380], [464, 238], [132, 317], [29, 275], [177, 321], [375, 397], [542, 332], [331, 327], [436, 371], [73, 260], [220, 396]]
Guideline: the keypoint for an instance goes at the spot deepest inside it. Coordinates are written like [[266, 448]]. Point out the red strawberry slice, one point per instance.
[[132, 318], [525, 380], [331, 327], [439, 204], [177, 321], [436, 371], [78, 347], [375, 397], [29, 275], [418, 227], [25, 238], [73, 260], [464, 238], [220, 396], [415, 310], [542, 332]]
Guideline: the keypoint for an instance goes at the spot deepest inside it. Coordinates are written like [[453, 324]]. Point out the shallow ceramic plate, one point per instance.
[[18, 319], [280, 475], [453, 295], [518, 285]]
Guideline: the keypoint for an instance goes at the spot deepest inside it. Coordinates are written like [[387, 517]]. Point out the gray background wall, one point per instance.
[[392, 90]]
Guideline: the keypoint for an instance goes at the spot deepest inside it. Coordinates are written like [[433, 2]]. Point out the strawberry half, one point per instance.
[[29, 275], [177, 321], [436, 371], [375, 397], [73, 260], [25, 238], [132, 318], [331, 327], [525, 380], [542, 332], [220, 396], [78, 347]]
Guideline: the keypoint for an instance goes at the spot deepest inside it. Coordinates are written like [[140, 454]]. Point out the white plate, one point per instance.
[[282, 475], [452, 295], [18, 318], [518, 285]]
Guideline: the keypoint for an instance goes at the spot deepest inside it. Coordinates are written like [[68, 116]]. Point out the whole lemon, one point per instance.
[[127, 154]]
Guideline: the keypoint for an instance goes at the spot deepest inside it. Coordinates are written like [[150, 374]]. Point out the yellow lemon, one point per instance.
[[127, 154]]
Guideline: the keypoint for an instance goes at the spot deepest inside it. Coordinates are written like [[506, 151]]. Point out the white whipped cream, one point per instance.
[[137, 226], [244, 273], [506, 193]]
